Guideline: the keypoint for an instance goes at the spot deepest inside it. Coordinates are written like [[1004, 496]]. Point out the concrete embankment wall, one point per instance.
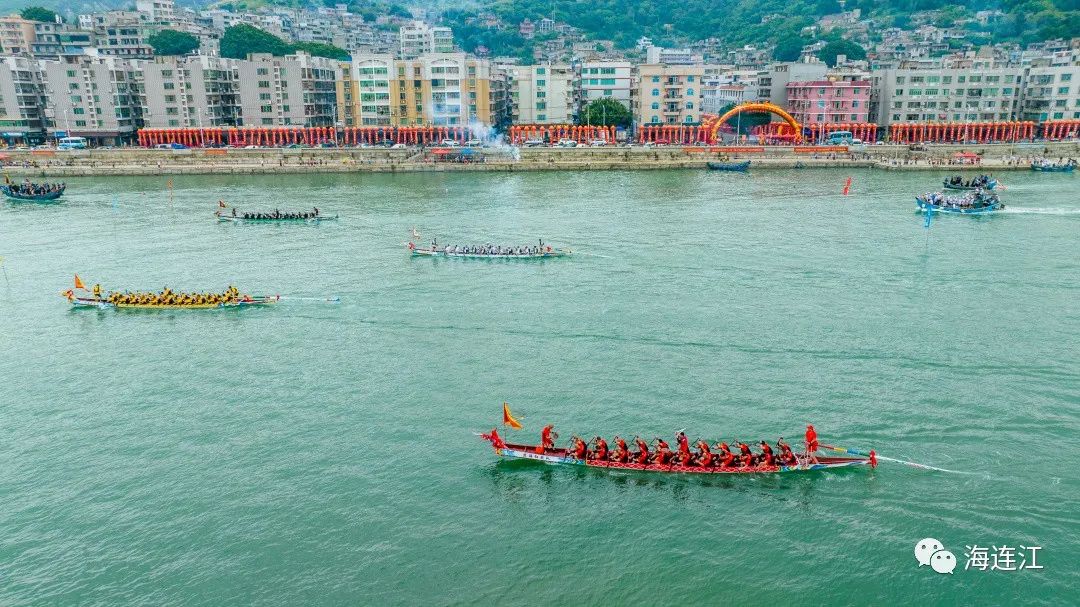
[[135, 161]]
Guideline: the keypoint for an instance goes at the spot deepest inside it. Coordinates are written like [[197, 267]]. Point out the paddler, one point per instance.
[[601, 448], [705, 457], [811, 443], [97, 291], [786, 456], [683, 442], [663, 452], [580, 449], [727, 458], [746, 456], [767, 454], [642, 456], [548, 436], [622, 453]]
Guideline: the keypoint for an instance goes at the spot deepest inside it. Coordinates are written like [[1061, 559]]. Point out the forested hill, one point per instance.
[[669, 22]]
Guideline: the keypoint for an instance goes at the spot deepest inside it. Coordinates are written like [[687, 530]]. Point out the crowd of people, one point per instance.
[[977, 199], [26, 188], [982, 181], [699, 455], [168, 298]]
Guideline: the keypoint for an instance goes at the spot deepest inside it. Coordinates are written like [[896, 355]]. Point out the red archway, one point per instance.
[[759, 106]]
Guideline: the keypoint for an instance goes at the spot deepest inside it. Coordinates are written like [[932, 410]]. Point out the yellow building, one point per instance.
[[668, 94], [443, 89], [17, 35]]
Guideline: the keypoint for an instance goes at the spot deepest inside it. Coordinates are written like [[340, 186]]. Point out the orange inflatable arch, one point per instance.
[[759, 106]]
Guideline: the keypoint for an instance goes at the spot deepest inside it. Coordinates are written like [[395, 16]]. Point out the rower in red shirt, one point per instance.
[[787, 458], [705, 457], [663, 452], [622, 453], [746, 455], [580, 448], [727, 458], [767, 454], [811, 444], [683, 442], [601, 451], [548, 436], [643, 450]]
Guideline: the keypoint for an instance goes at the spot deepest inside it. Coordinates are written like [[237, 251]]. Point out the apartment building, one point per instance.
[[668, 94], [53, 40], [16, 35], [364, 89], [444, 89], [120, 33], [295, 90], [927, 91], [94, 97], [543, 94], [606, 80], [162, 12], [22, 94], [829, 101], [773, 81], [1051, 88], [419, 38], [193, 91]]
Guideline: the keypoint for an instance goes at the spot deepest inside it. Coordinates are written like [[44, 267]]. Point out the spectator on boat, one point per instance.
[[548, 434], [811, 444]]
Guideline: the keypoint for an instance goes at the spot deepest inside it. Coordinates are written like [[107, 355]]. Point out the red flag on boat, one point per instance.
[[508, 419], [78, 283], [847, 186]]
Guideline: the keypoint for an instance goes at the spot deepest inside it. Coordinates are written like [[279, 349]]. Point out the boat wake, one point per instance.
[[1040, 211]]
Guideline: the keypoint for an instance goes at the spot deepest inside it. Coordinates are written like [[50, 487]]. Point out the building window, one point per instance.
[[656, 92], [655, 105], [541, 117], [656, 79], [689, 92], [689, 105], [655, 119]]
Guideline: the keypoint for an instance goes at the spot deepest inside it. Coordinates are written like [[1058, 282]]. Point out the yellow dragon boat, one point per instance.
[[165, 299]]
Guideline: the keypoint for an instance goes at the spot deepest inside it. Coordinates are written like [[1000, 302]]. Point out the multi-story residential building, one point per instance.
[[120, 33], [1051, 88], [22, 98], [53, 40], [292, 90], [773, 81], [364, 89], [16, 35], [162, 12], [829, 101], [672, 56], [606, 80], [94, 97], [193, 91], [419, 38], [716, 97], [931, 91], [543, 94], [668, 94]]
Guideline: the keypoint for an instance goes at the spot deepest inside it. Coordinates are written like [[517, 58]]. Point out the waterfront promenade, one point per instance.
[[138, 161]]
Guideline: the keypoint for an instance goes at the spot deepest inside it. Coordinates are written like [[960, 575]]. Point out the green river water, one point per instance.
[[322, 453]]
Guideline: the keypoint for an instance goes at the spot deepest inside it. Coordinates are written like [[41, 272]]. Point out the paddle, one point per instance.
[[890, 459]]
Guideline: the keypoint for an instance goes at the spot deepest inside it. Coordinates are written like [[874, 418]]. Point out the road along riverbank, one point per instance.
[[139, 161]]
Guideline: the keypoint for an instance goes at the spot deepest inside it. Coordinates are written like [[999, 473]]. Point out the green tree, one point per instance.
[[847, 48], [605, 112], [318, 49], [172, 42], [240, 40], [789, 49], [38, 13]]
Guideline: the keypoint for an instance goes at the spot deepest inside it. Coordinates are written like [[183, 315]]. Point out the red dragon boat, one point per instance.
[[563, 456]]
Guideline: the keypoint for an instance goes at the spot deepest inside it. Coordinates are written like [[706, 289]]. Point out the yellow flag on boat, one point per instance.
[[78, 283], [508, 419]]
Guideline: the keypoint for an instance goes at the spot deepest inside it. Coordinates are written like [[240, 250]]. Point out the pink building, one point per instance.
[[829, 101]]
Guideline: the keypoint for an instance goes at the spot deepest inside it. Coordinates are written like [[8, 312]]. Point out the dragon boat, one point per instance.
[[563, 456], [980, 203], [239, 302], [488, 252], [12, 192], [1047, 167], [986, 183], [165, 300], [304, 216]]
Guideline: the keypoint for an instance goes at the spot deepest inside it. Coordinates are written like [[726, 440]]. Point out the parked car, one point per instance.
[[328, 144], [449, 143], [398, 146], [534, 142], [171, 146], [474, 143], [598, 143], [566, 143]]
